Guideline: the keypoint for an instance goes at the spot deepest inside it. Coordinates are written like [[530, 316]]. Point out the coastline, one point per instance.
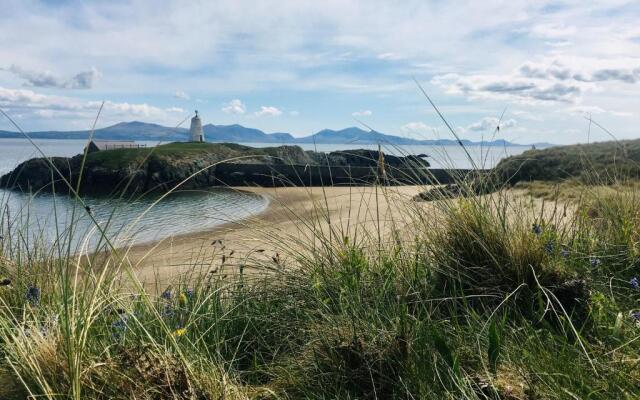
[[294, 218]]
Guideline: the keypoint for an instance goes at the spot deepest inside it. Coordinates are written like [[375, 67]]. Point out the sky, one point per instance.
[[544, 71]]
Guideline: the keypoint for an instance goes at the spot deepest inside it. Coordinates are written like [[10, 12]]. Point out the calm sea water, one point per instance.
[[47, 218], [142, 219]]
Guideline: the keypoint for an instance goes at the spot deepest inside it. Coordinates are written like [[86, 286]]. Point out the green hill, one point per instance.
[[604, 162]]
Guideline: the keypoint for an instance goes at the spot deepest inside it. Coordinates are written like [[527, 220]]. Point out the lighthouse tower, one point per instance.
[[197, 135]]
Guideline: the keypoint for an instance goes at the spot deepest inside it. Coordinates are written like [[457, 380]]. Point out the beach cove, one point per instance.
[[296, 219]]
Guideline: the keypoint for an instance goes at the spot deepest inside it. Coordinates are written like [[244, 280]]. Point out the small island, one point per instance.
[[194, 165]]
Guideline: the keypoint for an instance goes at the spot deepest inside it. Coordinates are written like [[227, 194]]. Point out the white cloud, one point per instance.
[[179, 94], [489, 124], [552, 31], [556, 70], [549, 80], [589, 111], [135, 110], [523, 114], [389, 56], [234, 106], [363, 113], [584, 110], [416, 129], [84, 80], [315, 52], [268, 111], [46, 79], [559, 43], [508, 87], [29, 103]]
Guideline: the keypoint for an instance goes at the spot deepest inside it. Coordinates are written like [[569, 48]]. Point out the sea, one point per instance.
[[54, 221]]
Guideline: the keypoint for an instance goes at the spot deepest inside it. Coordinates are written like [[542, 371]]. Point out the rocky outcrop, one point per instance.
[[194, 166]]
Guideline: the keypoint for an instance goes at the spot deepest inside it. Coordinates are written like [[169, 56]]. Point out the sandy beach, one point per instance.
[[296, 218]]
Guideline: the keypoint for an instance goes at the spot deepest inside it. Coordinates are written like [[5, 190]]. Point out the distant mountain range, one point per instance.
[[237, 133]]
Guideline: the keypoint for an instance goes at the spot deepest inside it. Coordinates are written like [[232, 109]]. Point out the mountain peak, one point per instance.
[[353, 135]]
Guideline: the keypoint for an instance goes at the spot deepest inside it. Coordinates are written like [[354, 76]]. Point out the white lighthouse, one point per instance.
[[197, 135]]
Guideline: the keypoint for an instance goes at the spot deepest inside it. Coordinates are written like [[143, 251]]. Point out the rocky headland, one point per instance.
[[201, 165]]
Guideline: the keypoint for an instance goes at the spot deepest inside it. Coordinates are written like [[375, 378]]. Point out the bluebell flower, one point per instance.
[[634, 282], [167, 311], [635, 315], [189, 293], [121, 322], [537, 229], [119, 326], [166, 294], [595, 261], [33, 295], [549, 247]]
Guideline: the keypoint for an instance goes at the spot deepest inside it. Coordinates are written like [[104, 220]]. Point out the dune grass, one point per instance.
[[491, 299]]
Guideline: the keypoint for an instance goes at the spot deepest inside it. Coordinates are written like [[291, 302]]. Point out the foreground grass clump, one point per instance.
[[487, 297], [487, 253]]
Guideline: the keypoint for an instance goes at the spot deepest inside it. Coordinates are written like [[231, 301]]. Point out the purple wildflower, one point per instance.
[[33, 295], [595, 261], [166, 294], [119, 326], [634, 282], [549, 247], [635, 315], [167, 311], [537, 229]]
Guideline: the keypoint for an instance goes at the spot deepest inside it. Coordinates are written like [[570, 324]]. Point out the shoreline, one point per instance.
[[152, 242], [295, 217]]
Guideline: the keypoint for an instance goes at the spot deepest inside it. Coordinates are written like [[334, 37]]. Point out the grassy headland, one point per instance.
[[493, 296], [202, 165], [178, 151], [604, 162]]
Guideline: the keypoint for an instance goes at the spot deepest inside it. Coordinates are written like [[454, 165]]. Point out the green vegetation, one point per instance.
[[597, 163], [185, 151], [486, 297]]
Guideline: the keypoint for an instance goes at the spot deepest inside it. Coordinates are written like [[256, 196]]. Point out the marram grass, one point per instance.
[[488, 297]]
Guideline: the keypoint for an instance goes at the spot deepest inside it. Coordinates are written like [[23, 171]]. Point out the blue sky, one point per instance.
[[300, 66]]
